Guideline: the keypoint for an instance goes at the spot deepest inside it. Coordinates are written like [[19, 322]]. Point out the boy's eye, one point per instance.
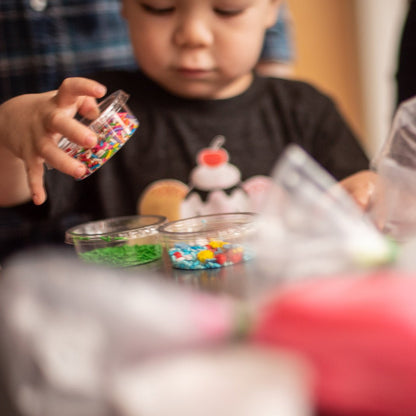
[[228, 12], [157, 10]]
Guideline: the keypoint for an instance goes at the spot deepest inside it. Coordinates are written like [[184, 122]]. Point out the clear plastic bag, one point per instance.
[[400, 144], [68, 330], [310, 226], [393, 203], [79, 340]]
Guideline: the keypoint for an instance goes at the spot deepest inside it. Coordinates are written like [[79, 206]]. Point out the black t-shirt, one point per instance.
[[406, 81], [257, 126]]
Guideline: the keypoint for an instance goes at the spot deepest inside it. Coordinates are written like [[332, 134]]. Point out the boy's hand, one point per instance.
[[33, 124], [361, 187]]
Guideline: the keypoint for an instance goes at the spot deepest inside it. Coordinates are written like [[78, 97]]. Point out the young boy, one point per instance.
[[197, 82]]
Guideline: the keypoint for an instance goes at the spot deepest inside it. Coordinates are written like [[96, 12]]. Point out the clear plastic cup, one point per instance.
[[208, 241], [114, 126], [119, 241]]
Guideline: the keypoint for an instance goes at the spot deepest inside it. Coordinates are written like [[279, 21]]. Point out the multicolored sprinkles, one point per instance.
[[111, 137], [212, 255]]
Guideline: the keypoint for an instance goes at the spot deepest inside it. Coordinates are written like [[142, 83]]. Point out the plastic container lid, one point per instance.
[[113, 228]]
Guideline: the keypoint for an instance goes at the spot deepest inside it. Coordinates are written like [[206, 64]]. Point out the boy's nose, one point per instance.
[[193, 32]]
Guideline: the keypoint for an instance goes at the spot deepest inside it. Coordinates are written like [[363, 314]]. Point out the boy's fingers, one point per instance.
[[72, 89], [89, 108], [35, 180], [74, 94], [361, 187], [68, 127], [58, 159]]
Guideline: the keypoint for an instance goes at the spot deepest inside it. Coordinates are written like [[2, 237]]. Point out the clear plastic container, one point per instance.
[[209, 241], [120, 241], [392, 205], [114, 126]]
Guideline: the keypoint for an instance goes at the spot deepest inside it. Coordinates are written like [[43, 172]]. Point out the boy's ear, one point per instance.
[[273, 12]]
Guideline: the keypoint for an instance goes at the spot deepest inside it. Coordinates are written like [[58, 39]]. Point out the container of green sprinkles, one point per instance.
[[120, 241]]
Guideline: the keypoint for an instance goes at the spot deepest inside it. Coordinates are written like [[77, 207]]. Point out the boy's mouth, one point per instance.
[[193, 72]]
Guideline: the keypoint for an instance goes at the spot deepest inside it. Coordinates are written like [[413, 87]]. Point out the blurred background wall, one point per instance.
[[349, 48]]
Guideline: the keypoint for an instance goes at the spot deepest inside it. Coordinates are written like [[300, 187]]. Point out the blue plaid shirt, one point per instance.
[[44, 41], [278, 42]]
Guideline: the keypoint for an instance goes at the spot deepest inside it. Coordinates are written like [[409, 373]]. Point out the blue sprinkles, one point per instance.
[[184, 256]]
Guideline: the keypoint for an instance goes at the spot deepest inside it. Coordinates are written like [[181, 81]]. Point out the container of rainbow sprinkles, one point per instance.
[[119, 241], [208, 242], [114, 126]]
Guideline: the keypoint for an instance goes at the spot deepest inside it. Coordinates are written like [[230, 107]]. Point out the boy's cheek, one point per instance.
[[272, 12]]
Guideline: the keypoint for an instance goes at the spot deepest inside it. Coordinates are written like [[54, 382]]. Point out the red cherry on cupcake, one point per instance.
[[212, 157]]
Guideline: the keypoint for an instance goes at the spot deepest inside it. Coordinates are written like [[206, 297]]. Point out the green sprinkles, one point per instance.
[[125, 255]]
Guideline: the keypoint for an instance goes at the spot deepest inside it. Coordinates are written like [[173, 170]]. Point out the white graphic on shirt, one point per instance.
[[214, 187], [215, 184]]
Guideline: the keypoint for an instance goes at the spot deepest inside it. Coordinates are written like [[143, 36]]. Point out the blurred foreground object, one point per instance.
[[310, 226], [79, 340], [358, 334], [68, 329], [227, 381]]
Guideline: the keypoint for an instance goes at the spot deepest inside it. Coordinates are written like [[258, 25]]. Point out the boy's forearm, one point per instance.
[[361, 187], [14, 189]]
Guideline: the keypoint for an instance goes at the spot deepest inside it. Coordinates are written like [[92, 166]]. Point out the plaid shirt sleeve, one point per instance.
[[279, 43], [44, 41]]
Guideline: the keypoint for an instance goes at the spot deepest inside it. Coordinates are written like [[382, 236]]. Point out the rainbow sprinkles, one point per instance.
[[112, 136], [114, 126]]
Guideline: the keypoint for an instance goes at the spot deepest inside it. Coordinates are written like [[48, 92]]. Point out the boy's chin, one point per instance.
[[205, 92], [194, 94]]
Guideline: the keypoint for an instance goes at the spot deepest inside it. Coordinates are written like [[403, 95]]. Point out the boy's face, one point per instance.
[[199, 48]]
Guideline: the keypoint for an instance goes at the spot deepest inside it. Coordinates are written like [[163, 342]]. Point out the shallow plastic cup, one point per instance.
[[120, 241], [209, 241], [114, 126]]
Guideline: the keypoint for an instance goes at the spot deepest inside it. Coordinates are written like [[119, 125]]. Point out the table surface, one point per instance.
[[237, 280]]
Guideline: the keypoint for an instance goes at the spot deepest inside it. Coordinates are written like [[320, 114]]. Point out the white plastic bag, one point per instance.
[[68, 329]]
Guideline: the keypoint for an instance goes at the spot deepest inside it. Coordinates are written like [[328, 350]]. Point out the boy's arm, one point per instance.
[[361, 187], [31, 126], [14, 187]]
